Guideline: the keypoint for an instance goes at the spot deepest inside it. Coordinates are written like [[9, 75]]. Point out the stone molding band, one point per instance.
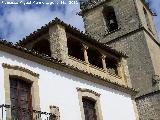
[[20, 68]]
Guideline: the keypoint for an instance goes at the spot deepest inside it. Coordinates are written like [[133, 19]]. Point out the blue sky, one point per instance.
[[155, 6], [17, 21]]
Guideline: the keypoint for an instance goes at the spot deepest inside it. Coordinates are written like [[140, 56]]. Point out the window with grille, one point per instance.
[[21, 103]]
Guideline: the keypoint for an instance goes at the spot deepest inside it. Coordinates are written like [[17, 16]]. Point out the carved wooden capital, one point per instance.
[[84, 47], [119, 64], [103, 57]]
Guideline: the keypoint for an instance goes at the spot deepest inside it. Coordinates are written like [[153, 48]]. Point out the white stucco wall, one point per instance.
[[59, 89]]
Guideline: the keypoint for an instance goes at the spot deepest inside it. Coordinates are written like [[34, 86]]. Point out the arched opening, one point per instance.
[[110, 18], [111, 65], [75, 49], [94, 57], [43, 47]]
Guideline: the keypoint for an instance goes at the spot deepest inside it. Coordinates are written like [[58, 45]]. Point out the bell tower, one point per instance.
[[127, 26], [108, 19]]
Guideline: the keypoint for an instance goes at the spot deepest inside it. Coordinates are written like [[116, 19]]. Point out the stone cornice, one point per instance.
[[20, 69], [133, 32], [148, 93], [89, 91], [86, 6]]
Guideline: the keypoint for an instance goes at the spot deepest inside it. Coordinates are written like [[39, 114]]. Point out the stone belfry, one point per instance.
[[127, 25]]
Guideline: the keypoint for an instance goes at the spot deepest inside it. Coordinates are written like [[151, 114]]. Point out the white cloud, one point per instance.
[[17, 23], [21, 23]]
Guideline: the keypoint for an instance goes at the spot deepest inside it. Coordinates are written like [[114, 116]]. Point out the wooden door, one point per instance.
[[20, 92]]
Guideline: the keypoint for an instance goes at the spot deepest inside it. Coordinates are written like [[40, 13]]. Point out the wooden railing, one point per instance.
[[87, 67], [5, 114]]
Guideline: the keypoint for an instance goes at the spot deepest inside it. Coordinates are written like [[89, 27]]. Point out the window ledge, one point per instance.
[[110, 32]]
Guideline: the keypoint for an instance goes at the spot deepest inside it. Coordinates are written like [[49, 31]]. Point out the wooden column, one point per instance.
[[103, 57], [85, 48], [120, 69]]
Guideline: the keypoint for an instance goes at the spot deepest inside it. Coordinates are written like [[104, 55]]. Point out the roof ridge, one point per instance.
[[54, 21]]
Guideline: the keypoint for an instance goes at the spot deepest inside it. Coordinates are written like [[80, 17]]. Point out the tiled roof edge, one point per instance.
[[73, 29], [56, 61]]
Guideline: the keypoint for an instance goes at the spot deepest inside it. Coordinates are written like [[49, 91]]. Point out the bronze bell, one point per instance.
[[111, 21]]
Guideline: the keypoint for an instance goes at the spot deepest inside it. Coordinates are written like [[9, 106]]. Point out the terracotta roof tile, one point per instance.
[[72, 29]]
